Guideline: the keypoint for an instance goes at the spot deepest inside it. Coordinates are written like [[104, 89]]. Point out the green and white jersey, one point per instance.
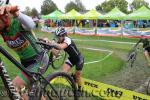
[[21, 41]]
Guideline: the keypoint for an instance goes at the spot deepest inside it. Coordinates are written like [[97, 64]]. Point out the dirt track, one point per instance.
[[130, 78]]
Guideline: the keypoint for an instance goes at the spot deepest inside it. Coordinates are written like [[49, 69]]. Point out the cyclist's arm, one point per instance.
[[60, 46], [26, 21], [65, 44]]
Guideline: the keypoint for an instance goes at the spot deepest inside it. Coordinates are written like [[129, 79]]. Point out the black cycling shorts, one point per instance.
[[147, 49], [77, 61]]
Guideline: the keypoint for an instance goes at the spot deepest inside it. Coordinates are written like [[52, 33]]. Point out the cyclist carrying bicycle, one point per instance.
[[146, 47], [75, 57], [15, 29]]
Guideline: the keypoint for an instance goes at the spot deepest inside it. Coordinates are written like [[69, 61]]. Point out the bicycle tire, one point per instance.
[[148, 88], [56, 64], [51, 78]]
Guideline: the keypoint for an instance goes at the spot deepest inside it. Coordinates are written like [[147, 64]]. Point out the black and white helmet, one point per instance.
[[60, 31]]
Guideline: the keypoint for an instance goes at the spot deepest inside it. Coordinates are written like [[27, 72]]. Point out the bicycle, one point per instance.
[[56, 62], [56, 86], [132, 56]]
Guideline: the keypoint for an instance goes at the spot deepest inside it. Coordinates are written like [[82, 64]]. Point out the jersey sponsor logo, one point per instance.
[[25, 45], [18, 43]]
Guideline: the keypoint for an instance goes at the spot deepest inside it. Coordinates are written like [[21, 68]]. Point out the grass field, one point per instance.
[[94, 71]]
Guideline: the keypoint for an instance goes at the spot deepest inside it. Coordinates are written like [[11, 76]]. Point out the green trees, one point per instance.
[[31, 12], [28, 11], [48, 7], [77, 5], [80, 5], [35, 12], [71, 5], [138, 3], [108, 5]]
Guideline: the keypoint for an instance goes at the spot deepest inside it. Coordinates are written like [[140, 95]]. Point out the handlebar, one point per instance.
[[46, 45]]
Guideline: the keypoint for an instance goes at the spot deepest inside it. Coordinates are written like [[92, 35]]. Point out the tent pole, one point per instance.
[[96, 27], [72, 25], [122, 28], [74, 30]]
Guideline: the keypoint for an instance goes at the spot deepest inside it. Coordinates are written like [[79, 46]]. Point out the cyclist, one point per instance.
[[146, 47], [15, 29], [75, 58]]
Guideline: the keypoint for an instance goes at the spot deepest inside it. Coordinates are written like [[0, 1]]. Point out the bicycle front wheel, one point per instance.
[[57, 62], [63, 84]]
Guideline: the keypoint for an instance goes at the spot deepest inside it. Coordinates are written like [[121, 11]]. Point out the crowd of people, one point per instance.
[[100, 23]]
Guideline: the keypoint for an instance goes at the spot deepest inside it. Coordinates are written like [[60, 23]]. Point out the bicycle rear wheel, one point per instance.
[[63, 84], [57, 62]]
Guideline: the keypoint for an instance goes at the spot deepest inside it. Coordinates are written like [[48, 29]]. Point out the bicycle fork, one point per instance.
[[13, 94]]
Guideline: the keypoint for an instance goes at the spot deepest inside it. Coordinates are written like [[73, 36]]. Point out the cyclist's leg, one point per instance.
[[146, 54], [67, 66], [78, 78], [24, 80], [79, 67], [20, 84]]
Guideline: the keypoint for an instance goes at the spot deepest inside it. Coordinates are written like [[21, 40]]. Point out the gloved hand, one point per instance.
[[5, 10]]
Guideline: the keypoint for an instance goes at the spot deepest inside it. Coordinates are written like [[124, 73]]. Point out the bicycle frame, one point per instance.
[[14, 61], [20, 66]]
